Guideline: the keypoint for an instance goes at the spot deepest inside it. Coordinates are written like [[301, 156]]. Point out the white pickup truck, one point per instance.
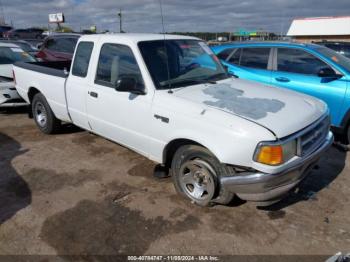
[[169, 99]]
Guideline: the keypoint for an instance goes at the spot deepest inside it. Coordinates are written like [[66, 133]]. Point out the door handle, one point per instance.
[[282, 79], [93, 94]]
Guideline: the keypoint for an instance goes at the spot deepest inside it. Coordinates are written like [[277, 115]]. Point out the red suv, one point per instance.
[[58, 47]]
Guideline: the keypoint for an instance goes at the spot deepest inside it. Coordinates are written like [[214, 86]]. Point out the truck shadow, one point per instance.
[[69, 129], [328, 169], [14, 110], [15, 193]]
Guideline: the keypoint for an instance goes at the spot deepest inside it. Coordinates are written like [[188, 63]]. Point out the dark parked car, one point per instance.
[[4, 29], [58, 47], [342, 48], [24, 45], [30, 33]]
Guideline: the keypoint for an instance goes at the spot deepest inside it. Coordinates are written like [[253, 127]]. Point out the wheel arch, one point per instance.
[[32, 91], [171, 148], [345, 121]]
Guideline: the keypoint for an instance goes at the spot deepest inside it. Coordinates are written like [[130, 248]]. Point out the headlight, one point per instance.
[[275, 154]]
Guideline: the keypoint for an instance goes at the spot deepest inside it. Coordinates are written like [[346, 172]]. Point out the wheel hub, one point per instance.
[[197, 180], [40, 114]]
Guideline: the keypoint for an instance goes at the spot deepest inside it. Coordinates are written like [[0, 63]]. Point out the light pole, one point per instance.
[[120, 20]]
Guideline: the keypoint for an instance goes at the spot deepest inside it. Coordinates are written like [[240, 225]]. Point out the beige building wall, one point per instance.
[[309, 39]]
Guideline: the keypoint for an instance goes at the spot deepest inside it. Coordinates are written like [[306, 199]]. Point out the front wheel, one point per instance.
[[43, 115], [196, 172]]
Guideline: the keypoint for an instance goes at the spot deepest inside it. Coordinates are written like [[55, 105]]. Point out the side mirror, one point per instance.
[[130, 84], [327, 72]]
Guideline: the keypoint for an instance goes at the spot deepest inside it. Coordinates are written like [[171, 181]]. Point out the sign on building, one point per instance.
[[56, 18]]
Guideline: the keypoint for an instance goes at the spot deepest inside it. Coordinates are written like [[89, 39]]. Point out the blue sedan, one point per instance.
[[308, 68]]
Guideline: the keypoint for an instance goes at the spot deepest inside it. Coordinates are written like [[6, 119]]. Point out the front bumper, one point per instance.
[[263, 187]]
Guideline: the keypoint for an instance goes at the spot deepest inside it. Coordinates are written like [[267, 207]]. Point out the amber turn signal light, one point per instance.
[[270, 155]]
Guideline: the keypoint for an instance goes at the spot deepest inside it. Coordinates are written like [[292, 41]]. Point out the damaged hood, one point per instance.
[[282, 111]]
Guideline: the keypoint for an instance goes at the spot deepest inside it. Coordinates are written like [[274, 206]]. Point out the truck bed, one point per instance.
[[46, 77], [56, 68]]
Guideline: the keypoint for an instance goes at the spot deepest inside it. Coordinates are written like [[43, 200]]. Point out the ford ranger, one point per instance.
[[170, 99]]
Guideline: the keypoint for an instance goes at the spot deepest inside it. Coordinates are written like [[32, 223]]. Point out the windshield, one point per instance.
[[185, 62], [335, 57], [10, 55], [26, 47]]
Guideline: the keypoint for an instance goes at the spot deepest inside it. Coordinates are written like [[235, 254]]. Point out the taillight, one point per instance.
[[14, 77]]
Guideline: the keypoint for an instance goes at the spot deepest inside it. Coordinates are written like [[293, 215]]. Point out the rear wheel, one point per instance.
[[43, 115], [196, 173]]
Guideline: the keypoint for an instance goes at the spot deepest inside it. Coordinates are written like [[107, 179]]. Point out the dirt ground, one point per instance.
[[76, 193]]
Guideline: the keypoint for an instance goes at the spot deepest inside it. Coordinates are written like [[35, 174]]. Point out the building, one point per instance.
[[320, 28], [257, 35]]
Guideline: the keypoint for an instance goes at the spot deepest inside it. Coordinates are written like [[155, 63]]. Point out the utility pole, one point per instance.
[[2, 18], [120, 20]]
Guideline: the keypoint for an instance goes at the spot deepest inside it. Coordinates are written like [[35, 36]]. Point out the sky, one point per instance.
[[179, 15]]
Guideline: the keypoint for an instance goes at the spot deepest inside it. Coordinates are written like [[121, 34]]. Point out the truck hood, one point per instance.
[[282, 111]]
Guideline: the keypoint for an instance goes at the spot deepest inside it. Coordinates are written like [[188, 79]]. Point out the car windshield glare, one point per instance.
[[335, 57], [178, 63]]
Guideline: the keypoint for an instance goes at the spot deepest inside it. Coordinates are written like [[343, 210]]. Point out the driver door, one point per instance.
[[298, 70], [120, 116]]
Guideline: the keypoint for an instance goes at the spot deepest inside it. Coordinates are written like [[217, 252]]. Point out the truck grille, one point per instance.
[[313, 136]]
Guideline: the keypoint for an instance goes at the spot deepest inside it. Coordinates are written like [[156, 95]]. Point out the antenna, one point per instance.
[[165, 48]]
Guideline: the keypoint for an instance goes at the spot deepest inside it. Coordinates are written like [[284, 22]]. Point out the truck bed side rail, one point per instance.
[[56, 68]]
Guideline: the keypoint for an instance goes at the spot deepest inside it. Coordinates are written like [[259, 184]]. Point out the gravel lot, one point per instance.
[[77, 193]]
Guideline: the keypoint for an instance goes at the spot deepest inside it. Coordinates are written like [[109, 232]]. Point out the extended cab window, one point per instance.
[[255, 57], [298, 61], [82, 59], [116, 62]]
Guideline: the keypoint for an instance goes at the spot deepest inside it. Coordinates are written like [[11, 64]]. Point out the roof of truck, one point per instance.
[[134, 37]]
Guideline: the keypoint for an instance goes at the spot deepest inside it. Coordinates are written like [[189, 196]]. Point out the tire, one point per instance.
[[346, 136], [196, 173], [43, 115]]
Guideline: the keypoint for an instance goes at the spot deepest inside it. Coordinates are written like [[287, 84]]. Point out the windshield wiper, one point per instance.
[[219, 76], [186, 82]]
